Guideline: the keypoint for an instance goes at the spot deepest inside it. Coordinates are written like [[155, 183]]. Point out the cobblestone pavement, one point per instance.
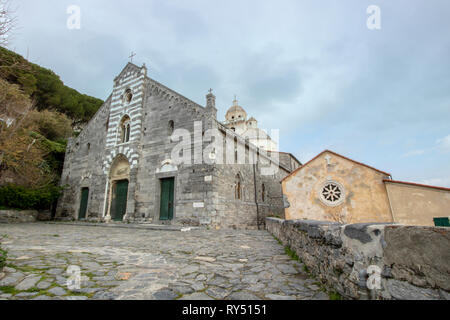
[[130, 263]]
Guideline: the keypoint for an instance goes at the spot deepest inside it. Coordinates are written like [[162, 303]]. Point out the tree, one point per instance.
[[52, 125], [7, 22], [14, 105]]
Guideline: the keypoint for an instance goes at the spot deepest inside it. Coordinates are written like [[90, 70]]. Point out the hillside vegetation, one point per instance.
[[46, 88], [37, 115]]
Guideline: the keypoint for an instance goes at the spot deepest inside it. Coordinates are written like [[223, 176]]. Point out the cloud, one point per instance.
[[443, 144], [439, 182], [413, 153]]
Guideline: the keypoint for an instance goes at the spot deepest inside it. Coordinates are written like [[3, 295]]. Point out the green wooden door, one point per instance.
[[84, 203], [119, 204], [166, 209]]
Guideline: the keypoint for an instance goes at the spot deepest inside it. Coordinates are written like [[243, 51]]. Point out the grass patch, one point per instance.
[[3, 253], [291, 253], [3, 256], [287, 249], [9, 290], [335, 296], [28, 269], [278, 240], [90, 275]]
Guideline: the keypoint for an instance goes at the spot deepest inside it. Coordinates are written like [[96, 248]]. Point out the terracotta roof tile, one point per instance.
[[416, 184]]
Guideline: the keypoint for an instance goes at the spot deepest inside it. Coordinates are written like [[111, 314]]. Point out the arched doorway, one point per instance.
[[119, 179]]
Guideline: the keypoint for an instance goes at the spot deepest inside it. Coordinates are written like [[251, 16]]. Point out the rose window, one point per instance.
[[332, 193]]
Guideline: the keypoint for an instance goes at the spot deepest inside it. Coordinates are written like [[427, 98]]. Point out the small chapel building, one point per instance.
[[122, 168], [332, 187]]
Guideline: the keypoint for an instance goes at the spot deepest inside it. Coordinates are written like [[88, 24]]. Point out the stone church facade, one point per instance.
[[121, 166]]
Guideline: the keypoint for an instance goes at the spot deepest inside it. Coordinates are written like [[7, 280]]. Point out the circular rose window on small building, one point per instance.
[[332, 193]]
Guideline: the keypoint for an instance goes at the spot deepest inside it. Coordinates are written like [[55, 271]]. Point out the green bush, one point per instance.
[[17, 197]]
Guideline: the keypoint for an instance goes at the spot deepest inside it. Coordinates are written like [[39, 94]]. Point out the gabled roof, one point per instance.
[[129, 67], [339, 155], [416, 184]]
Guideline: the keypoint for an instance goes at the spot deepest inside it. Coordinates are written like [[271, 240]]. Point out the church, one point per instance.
[[122, 167]]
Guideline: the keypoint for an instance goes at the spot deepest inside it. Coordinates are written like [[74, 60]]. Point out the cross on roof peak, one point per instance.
[[132, 55]]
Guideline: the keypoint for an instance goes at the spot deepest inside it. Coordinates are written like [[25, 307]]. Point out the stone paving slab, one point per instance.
[[146, 264]]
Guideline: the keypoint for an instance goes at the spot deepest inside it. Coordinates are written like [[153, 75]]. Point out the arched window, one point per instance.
[[238, 190], [125, 129], [263, 188], [128, 95]]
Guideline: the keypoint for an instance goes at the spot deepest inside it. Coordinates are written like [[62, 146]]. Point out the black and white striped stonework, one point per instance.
[[132, 78]]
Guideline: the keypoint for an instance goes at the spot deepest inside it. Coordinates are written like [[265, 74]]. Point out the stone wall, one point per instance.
[[414, 262], [13, 216], [24, 216]]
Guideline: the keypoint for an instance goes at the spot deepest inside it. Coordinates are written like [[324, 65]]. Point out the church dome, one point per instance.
[[236, 113]]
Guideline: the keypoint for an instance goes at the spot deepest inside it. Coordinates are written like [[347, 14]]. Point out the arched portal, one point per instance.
[[119, 178]]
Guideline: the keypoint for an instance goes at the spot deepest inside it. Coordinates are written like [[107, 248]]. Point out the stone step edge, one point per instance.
[[128, 226]]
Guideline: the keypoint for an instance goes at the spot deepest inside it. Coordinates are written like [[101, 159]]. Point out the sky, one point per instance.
[[312, 69]]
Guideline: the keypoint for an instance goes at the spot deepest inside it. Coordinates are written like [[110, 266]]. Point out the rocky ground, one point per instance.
[[127, 263]]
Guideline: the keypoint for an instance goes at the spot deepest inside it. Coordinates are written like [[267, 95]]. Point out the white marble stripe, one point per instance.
[[120, 105], [127, 82], [138, 112], [134, 120], [118, 100], [132, 83], [135, 88], [116, 106], [127, 79], [136, 98], [115, 111]]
